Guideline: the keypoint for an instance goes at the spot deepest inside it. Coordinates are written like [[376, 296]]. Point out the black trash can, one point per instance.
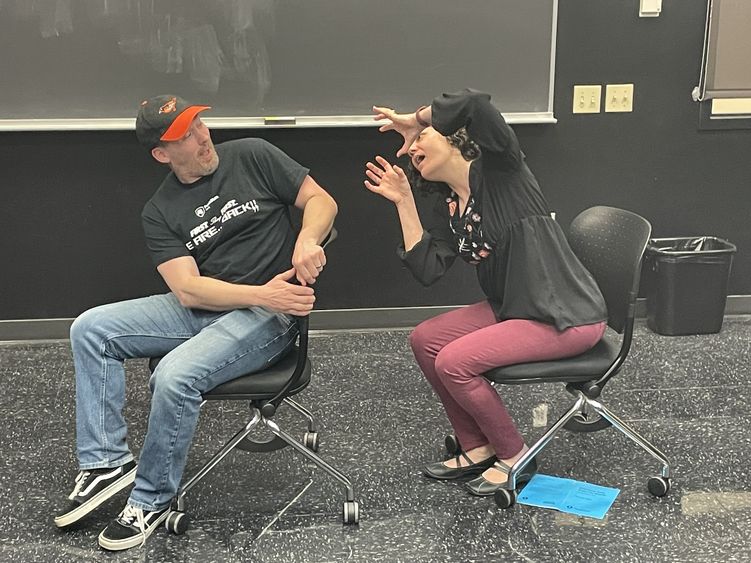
[[688, 284]]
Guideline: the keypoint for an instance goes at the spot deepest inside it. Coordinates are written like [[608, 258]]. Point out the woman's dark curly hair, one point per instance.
[[467, 147]]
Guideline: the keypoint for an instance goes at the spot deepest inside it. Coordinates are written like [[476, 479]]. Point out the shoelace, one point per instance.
[[80, 480], [131, 513]]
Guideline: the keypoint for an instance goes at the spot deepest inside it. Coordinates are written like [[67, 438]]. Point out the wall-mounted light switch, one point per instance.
[[619, 97], [587, 98]]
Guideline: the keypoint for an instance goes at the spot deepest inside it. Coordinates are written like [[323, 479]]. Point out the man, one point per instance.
[[219, 231]]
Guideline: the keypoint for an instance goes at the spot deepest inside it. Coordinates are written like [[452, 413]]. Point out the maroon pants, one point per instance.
[[455, 348]]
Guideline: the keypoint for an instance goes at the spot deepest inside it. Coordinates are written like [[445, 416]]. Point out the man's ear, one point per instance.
[[160, 155]]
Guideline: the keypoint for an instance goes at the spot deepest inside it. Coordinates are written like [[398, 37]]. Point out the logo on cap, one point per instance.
[[169, 107]]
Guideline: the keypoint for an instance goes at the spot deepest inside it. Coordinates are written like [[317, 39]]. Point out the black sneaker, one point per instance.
[[93, 487], [131, 528]]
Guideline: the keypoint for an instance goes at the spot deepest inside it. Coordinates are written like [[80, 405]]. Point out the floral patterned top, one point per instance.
[[467, 227]]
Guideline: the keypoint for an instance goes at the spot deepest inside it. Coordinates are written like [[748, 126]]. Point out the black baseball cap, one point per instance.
[[164, 118]]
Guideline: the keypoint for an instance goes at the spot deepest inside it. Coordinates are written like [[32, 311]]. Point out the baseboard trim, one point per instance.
[[330, 319], [35, 329]]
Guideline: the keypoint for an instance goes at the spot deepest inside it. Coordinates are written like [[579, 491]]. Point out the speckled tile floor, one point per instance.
[[379, 423]]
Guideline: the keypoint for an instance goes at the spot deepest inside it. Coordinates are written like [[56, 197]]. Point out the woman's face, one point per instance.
[[432, 155]]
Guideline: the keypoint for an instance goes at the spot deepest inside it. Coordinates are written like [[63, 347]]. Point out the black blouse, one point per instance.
[[531, 273]]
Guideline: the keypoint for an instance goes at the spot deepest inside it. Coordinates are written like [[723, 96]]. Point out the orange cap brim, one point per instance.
[[181, 123]]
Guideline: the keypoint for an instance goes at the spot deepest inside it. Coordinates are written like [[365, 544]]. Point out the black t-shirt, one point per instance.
[[235, 222]]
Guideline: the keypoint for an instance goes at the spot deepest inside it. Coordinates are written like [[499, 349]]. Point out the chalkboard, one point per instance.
[[88, 63]]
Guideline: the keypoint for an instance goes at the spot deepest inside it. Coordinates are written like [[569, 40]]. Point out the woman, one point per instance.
[[541, 304]]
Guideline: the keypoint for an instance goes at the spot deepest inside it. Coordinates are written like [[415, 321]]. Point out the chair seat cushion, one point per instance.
[[584, 367], [263, 384], [258, 385]]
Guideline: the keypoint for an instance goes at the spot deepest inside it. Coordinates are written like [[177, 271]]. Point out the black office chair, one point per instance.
[[266, 391], [610, 243]]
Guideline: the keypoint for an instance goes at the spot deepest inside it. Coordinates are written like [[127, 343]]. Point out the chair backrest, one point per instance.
[[302, 342], [610, 242]]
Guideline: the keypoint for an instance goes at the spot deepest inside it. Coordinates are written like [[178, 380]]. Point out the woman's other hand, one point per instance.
[[403, 123], [387, 180]]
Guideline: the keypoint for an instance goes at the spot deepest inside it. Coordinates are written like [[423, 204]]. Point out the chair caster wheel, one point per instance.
[[351, 512], [582, 423], [453, 447], [177, 522], [310, 441], [505, 498], [658, 486]]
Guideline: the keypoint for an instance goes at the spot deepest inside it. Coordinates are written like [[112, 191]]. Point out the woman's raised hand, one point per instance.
[[403, 123], [387, 180]]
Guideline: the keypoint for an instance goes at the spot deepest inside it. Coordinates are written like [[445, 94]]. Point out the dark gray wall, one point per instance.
[[71, 200]]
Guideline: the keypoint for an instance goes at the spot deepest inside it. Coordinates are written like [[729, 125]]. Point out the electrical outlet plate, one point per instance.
[[650, 8], [619, 97], [587, 98]]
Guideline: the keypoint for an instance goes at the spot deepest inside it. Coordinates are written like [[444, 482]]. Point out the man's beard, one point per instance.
[[204, 168]]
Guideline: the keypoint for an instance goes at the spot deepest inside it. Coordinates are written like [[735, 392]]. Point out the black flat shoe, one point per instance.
[[439, 470], [481, 487]]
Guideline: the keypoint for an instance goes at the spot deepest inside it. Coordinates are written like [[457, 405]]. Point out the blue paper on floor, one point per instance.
[[567, 495]]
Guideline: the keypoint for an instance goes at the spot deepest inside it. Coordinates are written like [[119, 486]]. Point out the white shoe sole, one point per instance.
[[127, 543], [75, 515]]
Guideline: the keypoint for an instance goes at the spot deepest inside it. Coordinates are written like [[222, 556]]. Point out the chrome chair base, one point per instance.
[[280, 439], [584, 406]]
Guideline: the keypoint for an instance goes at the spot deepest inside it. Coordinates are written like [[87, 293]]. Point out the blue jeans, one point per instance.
[[201, 350]]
